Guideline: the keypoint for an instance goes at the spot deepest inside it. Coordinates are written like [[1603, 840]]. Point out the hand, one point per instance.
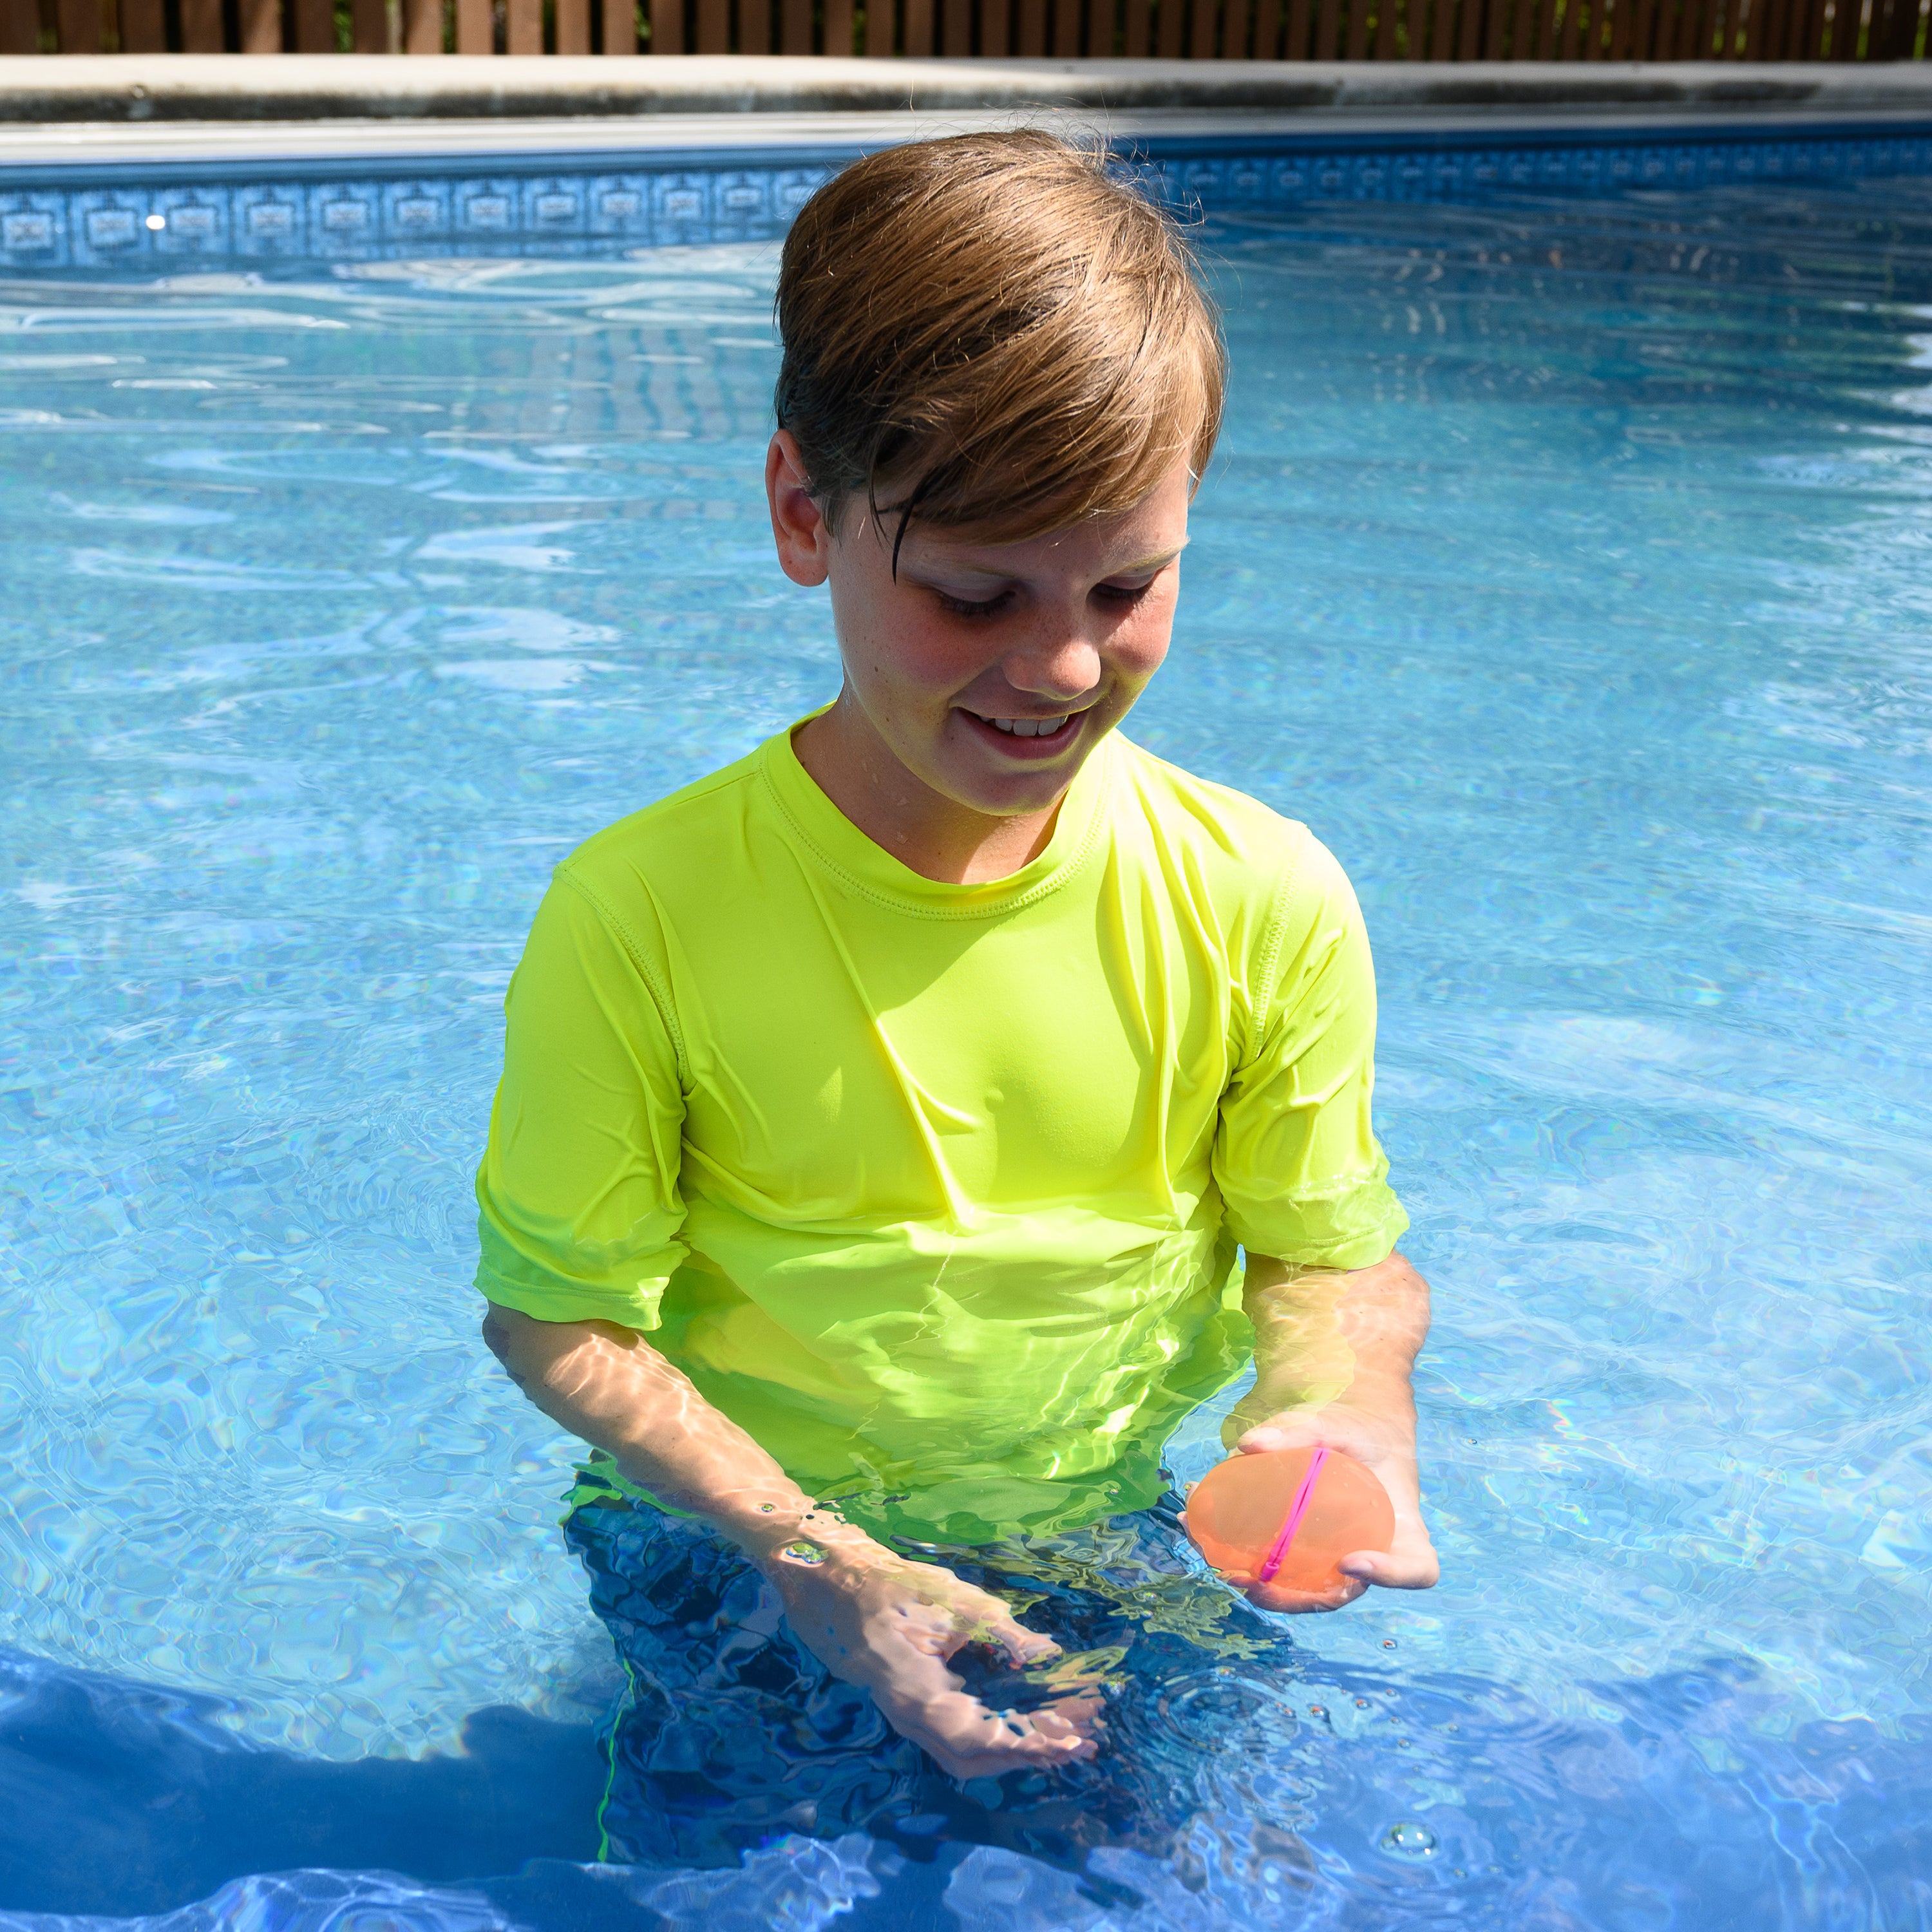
[[1385, 1445], [877, 1619]]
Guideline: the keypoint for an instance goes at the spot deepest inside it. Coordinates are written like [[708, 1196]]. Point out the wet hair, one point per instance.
[[992, 333]]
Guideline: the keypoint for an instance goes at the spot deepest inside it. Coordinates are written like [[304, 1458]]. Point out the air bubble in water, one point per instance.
[[803, 1552], [1409, 1840]]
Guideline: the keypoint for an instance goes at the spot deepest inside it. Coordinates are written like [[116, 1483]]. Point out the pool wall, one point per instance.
[[151, 214]]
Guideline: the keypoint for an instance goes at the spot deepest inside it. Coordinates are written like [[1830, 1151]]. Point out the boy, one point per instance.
[[881, 1116]]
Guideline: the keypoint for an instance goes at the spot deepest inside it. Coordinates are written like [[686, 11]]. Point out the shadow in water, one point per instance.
[[120, 1798]]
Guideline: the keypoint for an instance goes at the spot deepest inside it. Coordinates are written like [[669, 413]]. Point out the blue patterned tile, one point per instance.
[[268, 218], [193, 220], [33, 230], [566, 212], [344, 218], [415, 212]]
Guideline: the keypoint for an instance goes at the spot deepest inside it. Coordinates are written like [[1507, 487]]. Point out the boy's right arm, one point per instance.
[[872, 1617]]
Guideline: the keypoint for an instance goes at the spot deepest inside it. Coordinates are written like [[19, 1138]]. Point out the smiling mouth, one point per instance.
[[1060, 726]]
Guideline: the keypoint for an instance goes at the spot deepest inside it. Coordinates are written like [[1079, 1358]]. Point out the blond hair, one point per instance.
[[992, 332]]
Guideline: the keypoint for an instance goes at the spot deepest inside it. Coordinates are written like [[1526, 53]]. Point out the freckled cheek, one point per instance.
[[921, 661]]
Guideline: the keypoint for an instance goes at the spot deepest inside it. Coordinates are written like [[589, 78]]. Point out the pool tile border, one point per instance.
[[154, 218]]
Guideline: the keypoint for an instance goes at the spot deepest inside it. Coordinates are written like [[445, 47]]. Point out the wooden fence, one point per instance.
[[1354, 30]]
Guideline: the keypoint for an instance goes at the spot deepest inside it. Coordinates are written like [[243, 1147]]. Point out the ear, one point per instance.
[[798, 525]]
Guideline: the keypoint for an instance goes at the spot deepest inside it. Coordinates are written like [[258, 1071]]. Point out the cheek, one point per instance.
[[1138, 646]]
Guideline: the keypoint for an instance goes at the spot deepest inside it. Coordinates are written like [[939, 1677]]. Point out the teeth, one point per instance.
[[1028, 727]]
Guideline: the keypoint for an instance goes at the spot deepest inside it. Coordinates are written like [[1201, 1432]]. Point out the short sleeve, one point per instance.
[[1300, 1175], [580, 1211]]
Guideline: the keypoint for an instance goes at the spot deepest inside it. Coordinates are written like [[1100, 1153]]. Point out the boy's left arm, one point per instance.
[[1333, 1353]]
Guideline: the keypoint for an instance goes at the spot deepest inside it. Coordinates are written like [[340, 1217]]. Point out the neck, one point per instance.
[[928, 833]]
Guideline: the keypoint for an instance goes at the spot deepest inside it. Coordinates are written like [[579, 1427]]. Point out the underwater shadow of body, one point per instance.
[[120, 1798]]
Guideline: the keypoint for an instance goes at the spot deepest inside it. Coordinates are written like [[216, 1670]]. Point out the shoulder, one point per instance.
[[693, 822], [1216, 826], [1267, 877]]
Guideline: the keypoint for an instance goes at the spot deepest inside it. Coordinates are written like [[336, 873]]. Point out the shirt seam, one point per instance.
[[660, 994], [1052, 883]]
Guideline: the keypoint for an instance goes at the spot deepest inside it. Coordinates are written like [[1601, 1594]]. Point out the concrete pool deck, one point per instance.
[[119, 109]]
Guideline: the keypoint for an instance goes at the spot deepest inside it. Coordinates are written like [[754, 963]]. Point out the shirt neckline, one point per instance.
[[843, 850]]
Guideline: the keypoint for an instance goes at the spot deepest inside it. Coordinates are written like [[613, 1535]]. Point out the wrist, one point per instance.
[[796, 1533]]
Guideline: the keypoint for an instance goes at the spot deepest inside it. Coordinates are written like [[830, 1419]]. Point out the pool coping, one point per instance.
[[105, 92]]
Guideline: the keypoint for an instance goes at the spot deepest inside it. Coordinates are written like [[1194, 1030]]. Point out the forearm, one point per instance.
[[1322, 1336], [1333, 1355], [608, 1386]]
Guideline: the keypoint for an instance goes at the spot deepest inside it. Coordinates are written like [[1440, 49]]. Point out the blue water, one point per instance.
[[1568, 566]]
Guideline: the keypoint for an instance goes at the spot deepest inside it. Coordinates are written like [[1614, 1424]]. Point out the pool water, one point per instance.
[[1567, 565]]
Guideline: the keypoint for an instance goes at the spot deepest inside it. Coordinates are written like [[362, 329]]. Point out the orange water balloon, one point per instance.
[[1287, 1516]]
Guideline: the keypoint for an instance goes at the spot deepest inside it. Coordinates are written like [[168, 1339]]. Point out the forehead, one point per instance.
[[1149, 532]]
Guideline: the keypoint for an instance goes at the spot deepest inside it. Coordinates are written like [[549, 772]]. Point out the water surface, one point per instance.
[[1567, 566]]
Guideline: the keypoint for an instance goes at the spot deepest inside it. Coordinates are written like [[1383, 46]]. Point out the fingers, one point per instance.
[[1394, 1570], [967, 1740], [1303, 1603]]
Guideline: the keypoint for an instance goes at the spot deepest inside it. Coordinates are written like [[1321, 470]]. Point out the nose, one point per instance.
[[1059, 666]]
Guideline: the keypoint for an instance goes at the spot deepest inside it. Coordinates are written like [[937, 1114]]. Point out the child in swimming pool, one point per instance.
[[882, 1117]]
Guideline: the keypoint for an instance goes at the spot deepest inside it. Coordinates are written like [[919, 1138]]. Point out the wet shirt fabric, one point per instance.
[[938, 1189]]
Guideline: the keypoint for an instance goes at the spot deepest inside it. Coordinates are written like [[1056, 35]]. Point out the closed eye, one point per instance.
[[962, 607]]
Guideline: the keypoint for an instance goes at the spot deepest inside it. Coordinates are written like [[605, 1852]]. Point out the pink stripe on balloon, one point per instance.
[[1304, 1497]]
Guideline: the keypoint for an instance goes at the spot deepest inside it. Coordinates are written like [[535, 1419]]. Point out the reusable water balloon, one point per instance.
[[1288, 1515]]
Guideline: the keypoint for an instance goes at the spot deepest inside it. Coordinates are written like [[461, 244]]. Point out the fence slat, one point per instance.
[[1385, 12], [143, 27], [201, 28], [475, 32], [667, 19], [1295, 35], [78, 22], [368, 25], [882, 25], [619, 18], [1442, 28], [1135, 29], [19, 27], [839, 18], [713, 27], [1545, 30], [523, 26], [795, 26], [573, 26], [1200, 28], [422, 26]]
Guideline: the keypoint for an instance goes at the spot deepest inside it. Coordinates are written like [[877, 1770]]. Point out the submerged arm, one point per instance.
[[1333, 1355], [871, 1616]]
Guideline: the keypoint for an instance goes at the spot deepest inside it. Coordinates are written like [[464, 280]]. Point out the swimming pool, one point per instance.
[[1565, 565]]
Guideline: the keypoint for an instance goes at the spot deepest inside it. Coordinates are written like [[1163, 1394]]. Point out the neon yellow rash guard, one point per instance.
[[936, 1189]]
